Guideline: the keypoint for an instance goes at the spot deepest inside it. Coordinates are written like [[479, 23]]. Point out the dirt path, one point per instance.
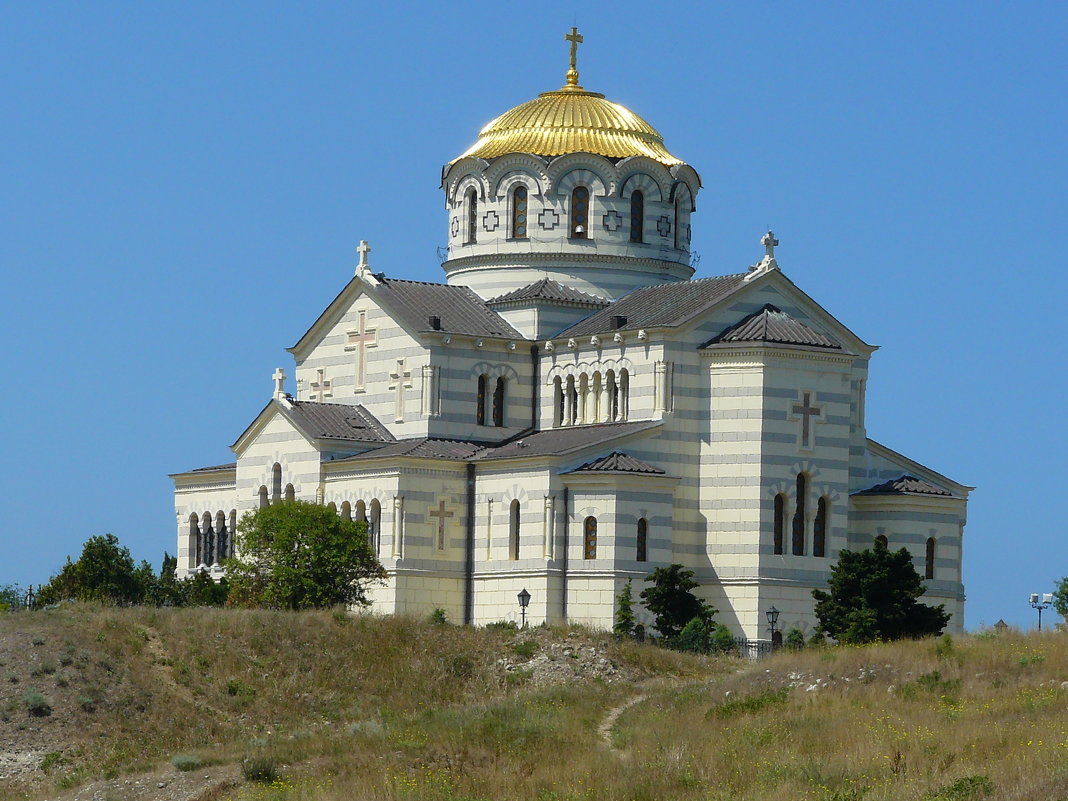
[[609, 722]]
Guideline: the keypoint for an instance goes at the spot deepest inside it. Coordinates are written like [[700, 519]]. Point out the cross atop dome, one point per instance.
[[572, 73]]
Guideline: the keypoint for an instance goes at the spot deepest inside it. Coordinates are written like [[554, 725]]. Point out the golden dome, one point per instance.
[[571, 120]]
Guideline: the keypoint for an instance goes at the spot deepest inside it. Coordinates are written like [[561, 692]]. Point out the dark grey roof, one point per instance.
[[458, 308], [217, 468], [663, 305], [618, 462], [905, 485], [426, 447], [340, 421], [556, 441], [772, 324], [550, 290]]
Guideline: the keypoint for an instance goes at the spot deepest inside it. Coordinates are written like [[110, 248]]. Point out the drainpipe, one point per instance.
[[469, 546], [563, 560]]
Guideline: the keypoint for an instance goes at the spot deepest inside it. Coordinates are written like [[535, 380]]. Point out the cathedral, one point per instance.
[[572, 408]]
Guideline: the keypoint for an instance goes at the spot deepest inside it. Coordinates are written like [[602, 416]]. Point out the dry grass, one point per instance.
[[391, 708]]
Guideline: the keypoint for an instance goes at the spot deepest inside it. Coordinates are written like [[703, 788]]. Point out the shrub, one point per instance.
[[526, 648], [37, 703], [186, 762], [963, 789], [51, 759], [37, 641], [722, 641], [624, 622], [795, 639], [503, 625], [259, 768], [694, 637], [87, 704], [438, 617], [13, 678]]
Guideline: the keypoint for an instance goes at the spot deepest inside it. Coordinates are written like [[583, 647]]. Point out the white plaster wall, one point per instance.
[[199, 494]]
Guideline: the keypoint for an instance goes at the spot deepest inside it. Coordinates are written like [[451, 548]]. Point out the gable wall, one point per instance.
[[277, 442]]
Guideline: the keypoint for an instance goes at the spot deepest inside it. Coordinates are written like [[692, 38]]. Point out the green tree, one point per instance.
[[625, 622], [104, 572], [873, 597], [1060, 598], [795, 639], [300, 555], [695, 636], [11, 597], [670, 600], [722, 641]]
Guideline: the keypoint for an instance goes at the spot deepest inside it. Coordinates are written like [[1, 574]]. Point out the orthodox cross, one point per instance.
[[402, 380], [807, 412], [576, 39], [769, 242], [441, 514], [279, 383], [322, 387], [359, 341]]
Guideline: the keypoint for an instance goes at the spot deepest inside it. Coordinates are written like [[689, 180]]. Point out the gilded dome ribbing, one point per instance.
[[571, 120]]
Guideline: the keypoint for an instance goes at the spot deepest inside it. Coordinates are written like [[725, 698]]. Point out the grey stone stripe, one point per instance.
[[904, 516]]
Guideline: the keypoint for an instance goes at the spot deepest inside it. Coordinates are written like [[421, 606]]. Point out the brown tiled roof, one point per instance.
[[618, 462], [558, 441], [663, 305], [548, 289], [339, 421], [458, 308], [772, 324], [905, 485], [425, 447]]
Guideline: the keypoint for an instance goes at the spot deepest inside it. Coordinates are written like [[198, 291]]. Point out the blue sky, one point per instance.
[[184, 185]]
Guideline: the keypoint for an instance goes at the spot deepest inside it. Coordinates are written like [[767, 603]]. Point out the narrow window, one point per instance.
[[332, 507], [780, 522], [643, 540], [209, 539], [498, 403], [231, 540], [519, 212], [637, 215], [558, 402], [929, 572], [799, 516], [882, 542], [361, 512], [580, 213], [374, 526], [194, 537], [678, 220], [819, 533], [513, 531], [290, 494], [589, 538], [624, 394], [480, 410], [263, 497], [472, 216], [276, 483], [346, 511], [613, 396], [220, 537], [572, 402]]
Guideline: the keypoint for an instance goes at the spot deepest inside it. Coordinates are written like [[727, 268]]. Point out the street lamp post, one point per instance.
[[1047, 600], [773, 619], [524, 601]]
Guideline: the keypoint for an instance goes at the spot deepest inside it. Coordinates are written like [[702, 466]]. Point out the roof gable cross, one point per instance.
[[279, 383]]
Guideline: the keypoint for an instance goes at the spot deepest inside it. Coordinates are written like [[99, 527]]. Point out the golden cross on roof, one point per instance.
[[576, 39]]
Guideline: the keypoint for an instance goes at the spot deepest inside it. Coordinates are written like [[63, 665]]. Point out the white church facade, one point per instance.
[[571, 408]]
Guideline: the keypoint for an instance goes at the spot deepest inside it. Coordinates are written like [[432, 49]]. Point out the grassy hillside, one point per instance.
[[391, 708]]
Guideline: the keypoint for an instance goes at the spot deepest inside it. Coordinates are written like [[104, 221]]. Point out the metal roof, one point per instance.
[[458, 309], [663, 305], [558, 441], [548, 289], [772, 324], [338, 421], [426, 447], [905, 485], [618, 462]]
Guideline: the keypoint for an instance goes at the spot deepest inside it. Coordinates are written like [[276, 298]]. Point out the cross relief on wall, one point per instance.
[[442, 516], [807, 415], [359, 341], [400, 380], [321, 387]]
